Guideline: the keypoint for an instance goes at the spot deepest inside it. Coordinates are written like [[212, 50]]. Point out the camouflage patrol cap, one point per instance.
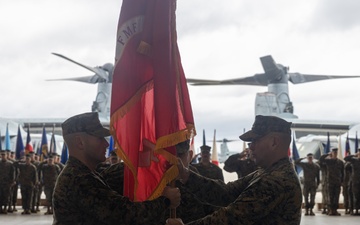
[[264, 125], [310, 155], [54, 154], [182, 147], [334, 149], [86, 122], [205, 148], [2, 152]]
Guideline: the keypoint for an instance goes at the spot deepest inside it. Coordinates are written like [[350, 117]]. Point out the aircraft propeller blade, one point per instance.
[[100, 72], [256, 80], [274, 73], [272, 70], [298, 78], [227, 140], [88, 79]]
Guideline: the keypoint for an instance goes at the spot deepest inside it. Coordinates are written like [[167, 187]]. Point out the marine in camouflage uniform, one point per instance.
[[240, 163], [57, 161], [7, 178], [335, 176], [355, 178], [311, 182], [28, 178], [14, 187], [270, 195], [81, 195], [206, 168], [347, 189], [190, 207], [324, 188], [35, 199], [48, 175]]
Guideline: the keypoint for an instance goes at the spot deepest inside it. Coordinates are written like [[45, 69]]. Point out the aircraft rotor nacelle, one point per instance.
[[271, 104], [102, 101]]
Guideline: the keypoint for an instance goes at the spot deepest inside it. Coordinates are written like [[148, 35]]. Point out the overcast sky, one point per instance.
[[217, 40]]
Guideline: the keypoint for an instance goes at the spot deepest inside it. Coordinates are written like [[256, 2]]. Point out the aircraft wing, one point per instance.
[[257, 80], [318, 127], [298, 78], [36, 124]]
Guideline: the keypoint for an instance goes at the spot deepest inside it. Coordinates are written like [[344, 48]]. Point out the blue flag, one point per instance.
[[295, 155], [64, 154], [7, 138], [356, 143], [44, 151], [19, 151], [111, 145], [327, 146]]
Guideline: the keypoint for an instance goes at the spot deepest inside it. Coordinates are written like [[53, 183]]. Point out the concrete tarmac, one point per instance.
[[41, 219]]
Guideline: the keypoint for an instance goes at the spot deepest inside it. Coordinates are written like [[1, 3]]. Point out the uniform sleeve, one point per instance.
[[252, 205], [35, 175], [214, 191], [230, 165], [99, 200], [298, 162], [221, 175], [322, 160]]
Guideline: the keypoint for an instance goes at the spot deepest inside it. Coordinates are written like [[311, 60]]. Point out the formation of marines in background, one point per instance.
[[336, 175], [32, 177]]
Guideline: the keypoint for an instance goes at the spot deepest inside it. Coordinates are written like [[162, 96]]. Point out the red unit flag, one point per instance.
[[150, 106]]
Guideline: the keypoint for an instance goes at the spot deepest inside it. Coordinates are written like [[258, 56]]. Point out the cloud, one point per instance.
[[331, 15]]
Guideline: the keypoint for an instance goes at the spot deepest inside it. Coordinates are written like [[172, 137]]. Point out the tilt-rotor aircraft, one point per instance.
[[276, 101], [102, 77]]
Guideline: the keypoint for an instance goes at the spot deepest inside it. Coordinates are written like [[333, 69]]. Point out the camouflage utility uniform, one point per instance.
[[311, 182], [211, 171], [189, 209], [355, 181], [334, 176], [324, 188], [83, 197], [347, 188], [267, 196], [114, 177], [28, 178], [7, 177], [241, 167], [48, 174], [35, 199]]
